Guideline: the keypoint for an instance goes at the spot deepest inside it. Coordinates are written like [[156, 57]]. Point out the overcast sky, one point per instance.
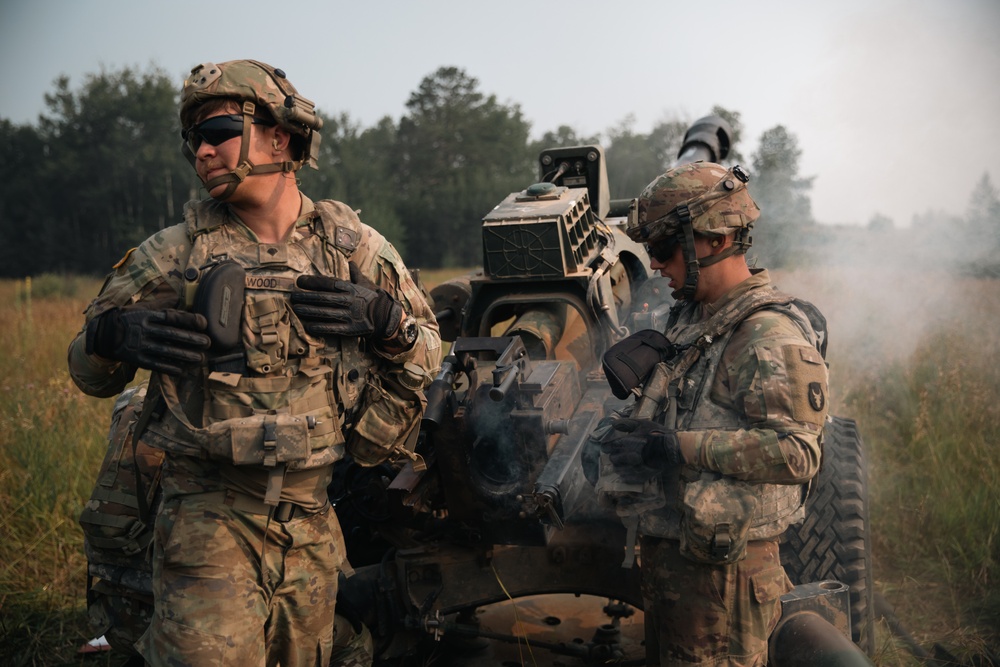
[[896, 104]]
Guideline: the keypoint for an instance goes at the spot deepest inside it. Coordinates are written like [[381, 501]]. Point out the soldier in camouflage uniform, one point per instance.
[[712, 462], [281, 334]]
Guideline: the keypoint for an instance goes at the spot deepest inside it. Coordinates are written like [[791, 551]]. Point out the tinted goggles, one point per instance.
[[217, 130], [664, 249]]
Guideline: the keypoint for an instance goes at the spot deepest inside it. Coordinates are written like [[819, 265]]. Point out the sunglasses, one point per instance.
[[217, 129], [663, 250]]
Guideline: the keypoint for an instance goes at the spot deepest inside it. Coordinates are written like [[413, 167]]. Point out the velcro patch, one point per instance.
[[807, 378]]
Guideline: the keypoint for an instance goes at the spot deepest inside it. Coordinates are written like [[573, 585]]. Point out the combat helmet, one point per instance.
[[694, 198], [259, 89]]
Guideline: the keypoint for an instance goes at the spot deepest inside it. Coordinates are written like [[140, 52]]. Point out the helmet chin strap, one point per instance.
[[692, 263], [244, 166]]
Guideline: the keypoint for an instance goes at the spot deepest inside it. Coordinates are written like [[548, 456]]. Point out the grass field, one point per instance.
[[915, 359]]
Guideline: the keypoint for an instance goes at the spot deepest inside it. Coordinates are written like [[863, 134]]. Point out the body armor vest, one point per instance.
[[688, 407], [291, 402]]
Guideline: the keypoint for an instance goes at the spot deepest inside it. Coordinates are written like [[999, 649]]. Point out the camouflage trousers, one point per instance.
[[225, 594], [699, 613], [351, 648]]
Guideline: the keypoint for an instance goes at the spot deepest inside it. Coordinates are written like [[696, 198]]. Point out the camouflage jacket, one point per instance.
[[316, 397], [750, 409]]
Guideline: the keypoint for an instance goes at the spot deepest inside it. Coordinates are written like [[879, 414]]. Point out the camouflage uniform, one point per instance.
[[228, 580], [744, 403], [746, 421]]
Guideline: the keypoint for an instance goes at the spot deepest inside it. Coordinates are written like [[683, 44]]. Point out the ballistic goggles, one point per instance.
[[664, 249], [217, 130]]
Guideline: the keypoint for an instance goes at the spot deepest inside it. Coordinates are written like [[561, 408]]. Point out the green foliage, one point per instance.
[[636, 159], [776, 186], [563, 137], [982, 216], [781, 194], [459, 153], [110, 173], [358, 166]]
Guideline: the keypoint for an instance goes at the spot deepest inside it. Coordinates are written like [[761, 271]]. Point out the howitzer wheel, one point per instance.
[[834, 541]]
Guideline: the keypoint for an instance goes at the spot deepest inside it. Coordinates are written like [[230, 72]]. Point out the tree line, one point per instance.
[[102, 170]]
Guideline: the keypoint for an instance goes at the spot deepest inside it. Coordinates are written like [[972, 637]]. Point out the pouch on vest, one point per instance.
[[715, 520], [219, 298], [263, 440], [117, 525], [384, 425], [629, 362]]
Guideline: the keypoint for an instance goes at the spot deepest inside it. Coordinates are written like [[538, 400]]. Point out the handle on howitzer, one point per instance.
[[500, 387], [439, 390]]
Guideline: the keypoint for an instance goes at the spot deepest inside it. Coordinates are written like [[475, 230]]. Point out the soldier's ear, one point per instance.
[[720, 243], [281, 139]]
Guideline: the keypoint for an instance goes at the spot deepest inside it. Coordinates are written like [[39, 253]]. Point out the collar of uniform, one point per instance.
[[307, 211], [307, 215], [758, 278]]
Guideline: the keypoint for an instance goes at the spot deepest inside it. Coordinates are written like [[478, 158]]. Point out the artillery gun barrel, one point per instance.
[[806, 639], [707, 139], [540, 329]]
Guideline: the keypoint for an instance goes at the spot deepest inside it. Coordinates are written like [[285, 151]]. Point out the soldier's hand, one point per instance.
[[158, 340], [331, 307], [641, 443]]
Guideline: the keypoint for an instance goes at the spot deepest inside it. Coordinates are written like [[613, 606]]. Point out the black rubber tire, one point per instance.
[[834, 541]]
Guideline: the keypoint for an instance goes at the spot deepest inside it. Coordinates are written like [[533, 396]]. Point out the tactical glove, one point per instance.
[[158, 340], [641, 447], [331, 307]]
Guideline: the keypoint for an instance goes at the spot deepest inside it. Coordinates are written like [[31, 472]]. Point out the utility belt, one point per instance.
[[283, 512]]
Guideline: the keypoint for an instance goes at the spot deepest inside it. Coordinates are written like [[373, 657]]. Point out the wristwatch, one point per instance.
[[407, 332]]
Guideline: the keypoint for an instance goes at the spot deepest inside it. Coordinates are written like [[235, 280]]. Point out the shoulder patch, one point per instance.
[[807, 383], [124, 260]]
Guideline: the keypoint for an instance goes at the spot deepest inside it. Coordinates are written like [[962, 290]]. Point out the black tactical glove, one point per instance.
[[158, 340], [334, 307], [642, 447]]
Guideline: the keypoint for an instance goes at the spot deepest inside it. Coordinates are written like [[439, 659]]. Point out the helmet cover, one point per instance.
[[713, 198], [264, 87]]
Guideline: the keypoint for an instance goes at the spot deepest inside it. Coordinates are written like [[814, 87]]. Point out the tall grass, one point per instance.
[[915, 359], [51, 442]]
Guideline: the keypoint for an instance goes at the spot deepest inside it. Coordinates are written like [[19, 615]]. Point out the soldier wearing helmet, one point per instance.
[[721, 446], [282, 334], [695, 200]]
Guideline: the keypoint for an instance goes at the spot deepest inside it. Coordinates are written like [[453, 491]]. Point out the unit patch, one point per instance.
[[817, 401]]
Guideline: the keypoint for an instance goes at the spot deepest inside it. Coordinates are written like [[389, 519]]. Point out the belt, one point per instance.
[[283, 512]]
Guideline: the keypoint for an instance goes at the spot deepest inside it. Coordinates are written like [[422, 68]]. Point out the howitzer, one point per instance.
[[503, 509]]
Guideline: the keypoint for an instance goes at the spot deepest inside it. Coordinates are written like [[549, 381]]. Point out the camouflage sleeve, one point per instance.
[[395, 402], [150, 274], [778, 381], [385, 268]]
